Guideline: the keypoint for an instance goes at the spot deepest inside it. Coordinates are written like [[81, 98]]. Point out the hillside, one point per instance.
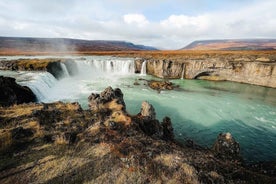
[[246, 44], [17, 44]]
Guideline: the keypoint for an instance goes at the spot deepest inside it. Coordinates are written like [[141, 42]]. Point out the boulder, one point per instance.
[[226, 147], [147, 111], [111, 99], [161, 85], [12, 93]]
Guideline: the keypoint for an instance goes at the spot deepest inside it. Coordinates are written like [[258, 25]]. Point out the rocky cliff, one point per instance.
[[245, 69], [11, 93]]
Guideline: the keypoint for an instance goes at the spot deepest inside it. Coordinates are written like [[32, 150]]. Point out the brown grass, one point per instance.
[[5, 139], [19, 110], [61, 139]]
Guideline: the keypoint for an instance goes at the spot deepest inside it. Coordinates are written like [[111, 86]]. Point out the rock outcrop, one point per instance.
[[108, 99], [147, 111], [12, 93], [148, 123], [111, 107], [51, 65], [226, 147], [161, 85]]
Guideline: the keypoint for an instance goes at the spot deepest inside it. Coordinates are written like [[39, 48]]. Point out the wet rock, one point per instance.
[[226, 147], [136, 83], [55, 69], [12, 93], [161, 85]]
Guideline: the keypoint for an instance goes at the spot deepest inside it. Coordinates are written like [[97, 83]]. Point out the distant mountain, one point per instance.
[[242, 44], [22, 44]]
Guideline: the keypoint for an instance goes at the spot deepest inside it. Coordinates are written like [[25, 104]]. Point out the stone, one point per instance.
[[147, 111], [12, 93], [226, 147], [167, 129], [161, 85], [111, 99]]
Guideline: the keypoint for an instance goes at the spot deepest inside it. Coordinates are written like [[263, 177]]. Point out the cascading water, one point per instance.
[[65, 72], [144, 68], [109, 66], [40, 83], [88, 74], [182, 73]]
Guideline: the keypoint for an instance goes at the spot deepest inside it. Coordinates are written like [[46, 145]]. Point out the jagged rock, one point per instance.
[[12, 93], [151, 126], [167, 129], [226, 147], [108, 99], [147, 111]]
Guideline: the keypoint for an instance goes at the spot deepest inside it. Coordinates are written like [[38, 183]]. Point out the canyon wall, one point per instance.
[[251, 70]]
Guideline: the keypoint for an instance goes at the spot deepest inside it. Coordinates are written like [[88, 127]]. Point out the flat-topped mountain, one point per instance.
[[18, 44], [233, 44]]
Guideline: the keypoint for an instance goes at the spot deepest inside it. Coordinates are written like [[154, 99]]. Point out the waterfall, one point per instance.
[[144, 68], [117, 66], [182, 73], [85, 76], [64, 70], [40, 83], [104, 67]]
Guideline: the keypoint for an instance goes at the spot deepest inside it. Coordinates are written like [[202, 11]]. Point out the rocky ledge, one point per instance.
[[62, 143], [12, 93], [245, 68], [51, 65]]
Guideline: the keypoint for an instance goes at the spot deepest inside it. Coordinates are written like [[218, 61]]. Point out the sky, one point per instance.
[[165, 24]]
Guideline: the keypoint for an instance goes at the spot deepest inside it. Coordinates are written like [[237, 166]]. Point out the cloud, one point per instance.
[[112, 20], [180, 21], [138, 19]]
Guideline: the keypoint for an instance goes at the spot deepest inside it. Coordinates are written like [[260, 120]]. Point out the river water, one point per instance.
[[199, 110]]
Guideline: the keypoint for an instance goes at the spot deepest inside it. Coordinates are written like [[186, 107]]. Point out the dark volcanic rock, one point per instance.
[[226, 147], [12, 93], [167, 129], [147, 121], [55, 69]]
